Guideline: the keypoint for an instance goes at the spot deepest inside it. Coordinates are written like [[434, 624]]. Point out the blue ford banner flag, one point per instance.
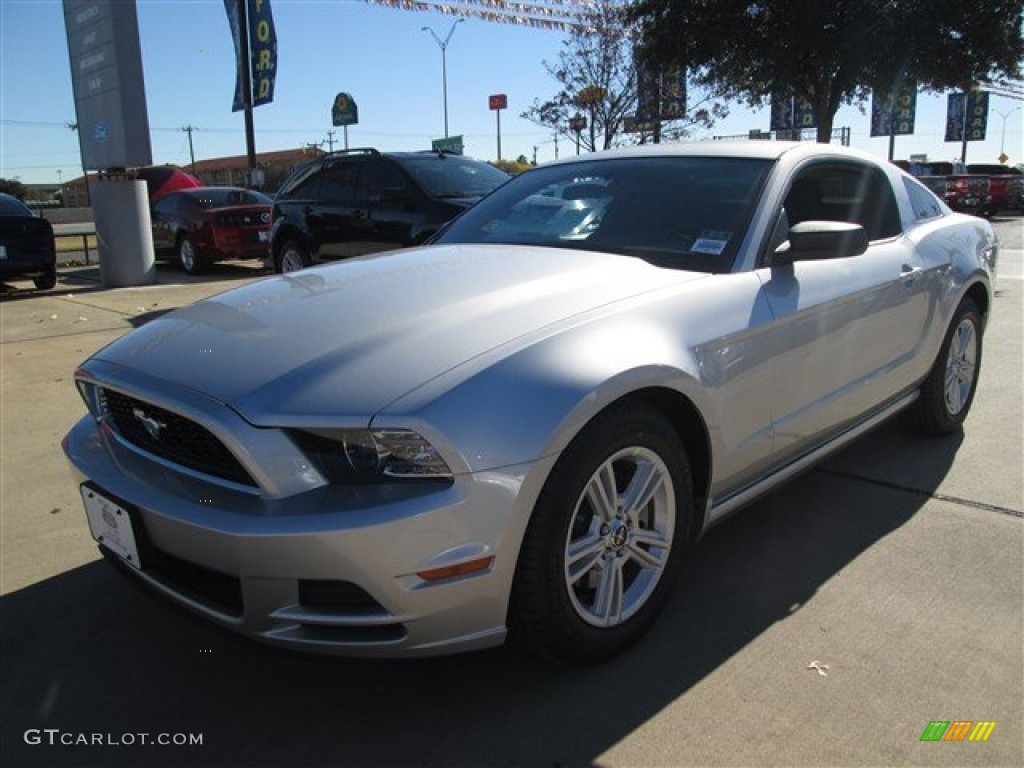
[[976, 115], [262, 54], [893, 114], [262, 51], [235, 22]]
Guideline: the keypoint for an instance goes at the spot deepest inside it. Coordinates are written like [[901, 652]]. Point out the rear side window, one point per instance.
[[925, 204], [850, 192]]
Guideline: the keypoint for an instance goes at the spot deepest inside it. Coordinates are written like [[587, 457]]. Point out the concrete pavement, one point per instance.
[[897, 565]]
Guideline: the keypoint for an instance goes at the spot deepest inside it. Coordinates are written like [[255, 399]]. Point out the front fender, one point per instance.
[[532, 403]]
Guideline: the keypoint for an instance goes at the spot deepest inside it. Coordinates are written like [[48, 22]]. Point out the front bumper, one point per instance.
[[23, 267], [333, 569]]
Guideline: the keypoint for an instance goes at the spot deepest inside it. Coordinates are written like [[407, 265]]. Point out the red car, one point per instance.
[[207, 224]]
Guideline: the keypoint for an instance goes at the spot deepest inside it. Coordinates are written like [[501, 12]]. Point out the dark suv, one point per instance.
[[360, 201]]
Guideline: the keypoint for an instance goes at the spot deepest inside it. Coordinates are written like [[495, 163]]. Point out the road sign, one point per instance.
[[452, 144], [497, 101], [345, 111]]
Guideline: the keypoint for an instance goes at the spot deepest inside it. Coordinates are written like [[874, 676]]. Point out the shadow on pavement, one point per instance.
[[88, 279], [85, 652]]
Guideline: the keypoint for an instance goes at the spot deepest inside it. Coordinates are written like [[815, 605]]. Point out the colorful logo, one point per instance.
[[958, 730]]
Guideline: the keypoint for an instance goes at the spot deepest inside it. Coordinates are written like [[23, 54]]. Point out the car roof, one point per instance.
[[755, 149]]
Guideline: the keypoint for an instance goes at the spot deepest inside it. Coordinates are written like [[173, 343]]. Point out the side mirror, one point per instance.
[[814, 240]]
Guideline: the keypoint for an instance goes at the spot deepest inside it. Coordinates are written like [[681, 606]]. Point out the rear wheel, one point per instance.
[[947, 393], [189, 256], [605, 540], [294, 256]]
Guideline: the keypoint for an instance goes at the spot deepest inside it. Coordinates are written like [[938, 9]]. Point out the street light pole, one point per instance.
[[1002, 141], [443, 45]]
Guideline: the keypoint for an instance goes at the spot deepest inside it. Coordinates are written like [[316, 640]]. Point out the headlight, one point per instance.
[[91, 395], [371, 455]]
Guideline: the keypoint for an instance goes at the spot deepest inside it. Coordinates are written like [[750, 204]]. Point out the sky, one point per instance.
[[380, 56]]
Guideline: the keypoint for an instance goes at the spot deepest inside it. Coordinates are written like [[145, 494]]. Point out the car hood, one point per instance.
[[334, 345]]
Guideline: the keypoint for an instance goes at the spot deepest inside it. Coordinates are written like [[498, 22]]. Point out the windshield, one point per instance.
[[682, 212], [453, 176], [217, 197], [11, 206]]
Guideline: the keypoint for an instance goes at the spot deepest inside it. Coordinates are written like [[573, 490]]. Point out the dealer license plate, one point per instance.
[[110, 525]]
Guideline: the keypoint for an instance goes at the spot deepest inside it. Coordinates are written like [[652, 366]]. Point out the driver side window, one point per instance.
[[849, 192]]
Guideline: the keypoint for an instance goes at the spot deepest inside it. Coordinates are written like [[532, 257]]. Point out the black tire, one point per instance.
[[946, 395], [190, 257], [292, 257], [557, 613], [47, 281]]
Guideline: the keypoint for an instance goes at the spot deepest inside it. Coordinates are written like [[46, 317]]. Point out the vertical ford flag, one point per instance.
[[262, 50]]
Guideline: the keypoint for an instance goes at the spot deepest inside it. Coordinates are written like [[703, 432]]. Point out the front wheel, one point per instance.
[[946, 395], [605, 540], [47, 281]]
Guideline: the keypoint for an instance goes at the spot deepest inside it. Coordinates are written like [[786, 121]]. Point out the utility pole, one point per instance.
[[192, 155], [330, 141], [85, 174]]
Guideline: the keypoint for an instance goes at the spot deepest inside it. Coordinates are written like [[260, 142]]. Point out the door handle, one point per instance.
[[910, 274]]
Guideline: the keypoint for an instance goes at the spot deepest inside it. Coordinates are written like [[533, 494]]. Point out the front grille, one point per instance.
[[211, 588], [171, 436], [214, 589]]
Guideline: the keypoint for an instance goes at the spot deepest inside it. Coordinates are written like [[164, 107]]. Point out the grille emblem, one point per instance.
[[153, 427]]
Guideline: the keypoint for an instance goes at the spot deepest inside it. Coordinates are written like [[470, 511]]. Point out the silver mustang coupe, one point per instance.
[[517, 429]]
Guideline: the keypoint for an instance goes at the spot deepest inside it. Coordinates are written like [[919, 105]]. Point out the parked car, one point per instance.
[[965, 192], [1006, 187], [207, 224], [27, 247], [360, 201], [521, 430]]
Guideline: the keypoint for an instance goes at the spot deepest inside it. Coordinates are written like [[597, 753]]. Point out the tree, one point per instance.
[[832, 53], [598, 82], [13, 187], [513, 167]]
